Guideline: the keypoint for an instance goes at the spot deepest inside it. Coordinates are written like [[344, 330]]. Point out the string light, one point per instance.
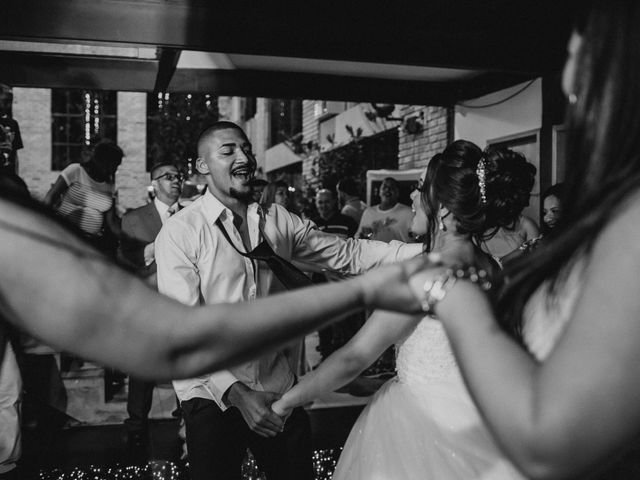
[[87, 118], [324, 463]]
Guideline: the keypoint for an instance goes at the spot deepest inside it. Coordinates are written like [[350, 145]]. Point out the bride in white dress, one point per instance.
[[423, 423]]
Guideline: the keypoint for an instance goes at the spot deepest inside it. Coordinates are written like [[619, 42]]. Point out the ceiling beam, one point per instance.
[[54, 71], [97, 73], [502, 35], [167, 66]]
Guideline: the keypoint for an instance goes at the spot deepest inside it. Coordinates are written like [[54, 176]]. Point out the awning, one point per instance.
[[279, 156]]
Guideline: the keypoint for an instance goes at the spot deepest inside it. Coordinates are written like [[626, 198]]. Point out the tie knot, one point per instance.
[[171, 211]]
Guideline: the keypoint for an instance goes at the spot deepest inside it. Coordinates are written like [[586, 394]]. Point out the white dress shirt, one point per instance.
[[196, 265], [163, 209]]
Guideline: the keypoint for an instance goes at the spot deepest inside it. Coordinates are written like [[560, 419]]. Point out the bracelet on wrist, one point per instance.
[[436, 288]]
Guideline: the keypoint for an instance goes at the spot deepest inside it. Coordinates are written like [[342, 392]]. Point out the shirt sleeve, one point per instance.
[[71, 173], [218, 383], [178, 276], [346, 255]]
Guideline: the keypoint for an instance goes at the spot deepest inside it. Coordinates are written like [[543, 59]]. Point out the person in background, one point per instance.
[[10, 406], [276, 192], [137, 249], [259, 185], [561, 398], [552, 207], [514, 229], [9, 159], [329, 220], [389, 220], [348, 198], [84, 194]]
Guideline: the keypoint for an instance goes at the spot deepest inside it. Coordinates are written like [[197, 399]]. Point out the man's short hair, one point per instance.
[[348, 186], [159, 165], [216, 126]]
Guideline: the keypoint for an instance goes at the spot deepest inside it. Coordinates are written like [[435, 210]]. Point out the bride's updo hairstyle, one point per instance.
[[483, 191]]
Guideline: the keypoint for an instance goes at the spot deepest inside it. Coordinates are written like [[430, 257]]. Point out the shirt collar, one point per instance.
[[215, 209], [163, 207]]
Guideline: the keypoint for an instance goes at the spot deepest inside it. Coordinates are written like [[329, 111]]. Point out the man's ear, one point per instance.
[[202, 166], [154, 184]]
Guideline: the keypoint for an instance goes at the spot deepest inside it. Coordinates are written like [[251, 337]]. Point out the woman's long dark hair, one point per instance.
[[603, 149]]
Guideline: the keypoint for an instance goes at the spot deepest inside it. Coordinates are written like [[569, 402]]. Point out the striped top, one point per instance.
[[86, 201]]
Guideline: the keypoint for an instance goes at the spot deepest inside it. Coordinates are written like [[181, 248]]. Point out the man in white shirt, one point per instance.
[[389, 220], [228, 411], [137, 247]]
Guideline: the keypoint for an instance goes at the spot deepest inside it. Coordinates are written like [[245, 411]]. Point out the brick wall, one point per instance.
[[132, 178], [415, 150], [32, 110]]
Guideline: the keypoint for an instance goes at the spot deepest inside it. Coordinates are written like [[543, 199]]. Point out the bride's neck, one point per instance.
[[456, 247]]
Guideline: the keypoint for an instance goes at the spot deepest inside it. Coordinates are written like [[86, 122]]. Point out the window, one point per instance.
[[78, 119], [286, 120]]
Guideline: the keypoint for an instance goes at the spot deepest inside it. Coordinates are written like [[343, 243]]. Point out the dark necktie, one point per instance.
[[289, 275]]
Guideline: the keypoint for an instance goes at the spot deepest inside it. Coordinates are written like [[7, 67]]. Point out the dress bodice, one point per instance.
[[426, 354]]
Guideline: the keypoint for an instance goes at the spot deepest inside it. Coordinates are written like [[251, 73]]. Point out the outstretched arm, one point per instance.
[[562, 416], [380, 331], [66, 294]]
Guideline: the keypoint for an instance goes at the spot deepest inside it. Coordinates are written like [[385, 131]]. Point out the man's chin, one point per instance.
[[245, 194]]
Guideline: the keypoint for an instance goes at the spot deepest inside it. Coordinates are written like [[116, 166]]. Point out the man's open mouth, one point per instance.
[[245, 172]]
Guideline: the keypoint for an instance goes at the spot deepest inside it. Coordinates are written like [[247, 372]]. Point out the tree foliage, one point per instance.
[[173, 124]]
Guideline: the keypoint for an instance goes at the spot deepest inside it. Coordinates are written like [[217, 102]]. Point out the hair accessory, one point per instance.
[[481, 173], [436, 288]]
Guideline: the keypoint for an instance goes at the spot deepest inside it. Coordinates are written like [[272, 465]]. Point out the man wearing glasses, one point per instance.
[[137, 249]]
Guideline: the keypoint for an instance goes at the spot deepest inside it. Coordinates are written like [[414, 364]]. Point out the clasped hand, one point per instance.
[[255, 408]]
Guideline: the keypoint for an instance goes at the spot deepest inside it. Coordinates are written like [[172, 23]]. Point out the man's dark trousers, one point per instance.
[[217, 442]]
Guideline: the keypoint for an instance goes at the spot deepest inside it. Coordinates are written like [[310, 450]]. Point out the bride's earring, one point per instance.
[[441, 226]]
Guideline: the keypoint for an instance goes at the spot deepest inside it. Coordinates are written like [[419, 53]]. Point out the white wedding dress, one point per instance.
[[423, 424]]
